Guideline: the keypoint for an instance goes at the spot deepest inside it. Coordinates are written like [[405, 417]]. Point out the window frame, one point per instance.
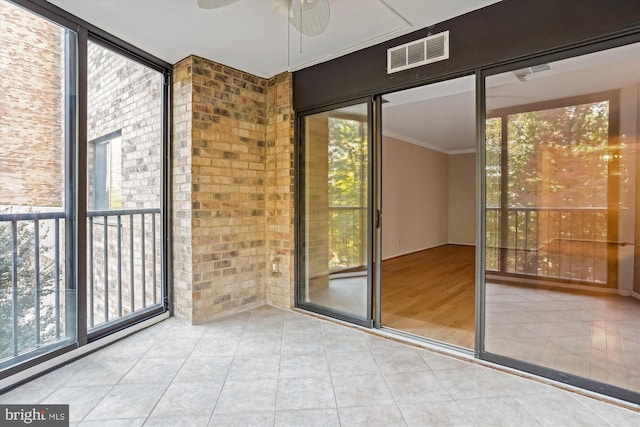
[[587, 47], [75, 186], [106, 141], [613, 178]]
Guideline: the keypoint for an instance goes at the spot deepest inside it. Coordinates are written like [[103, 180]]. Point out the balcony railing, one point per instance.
[[560, 243], [124, 269], [347, 237], [123, 263], [31, 281]]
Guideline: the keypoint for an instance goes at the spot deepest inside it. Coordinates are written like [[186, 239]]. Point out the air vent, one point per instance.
[[419, 52], [524, 72]]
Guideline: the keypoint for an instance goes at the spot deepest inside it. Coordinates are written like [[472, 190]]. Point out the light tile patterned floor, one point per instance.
[[271, 367], [594, 336]]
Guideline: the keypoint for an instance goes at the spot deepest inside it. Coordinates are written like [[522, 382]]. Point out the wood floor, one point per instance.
[[432, 294]]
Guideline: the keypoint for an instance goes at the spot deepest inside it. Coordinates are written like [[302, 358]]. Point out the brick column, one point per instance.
[[279, 192], [232, 190]]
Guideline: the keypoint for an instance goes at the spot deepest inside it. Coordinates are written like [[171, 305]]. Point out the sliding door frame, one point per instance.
[[480, 351], [301, 244]]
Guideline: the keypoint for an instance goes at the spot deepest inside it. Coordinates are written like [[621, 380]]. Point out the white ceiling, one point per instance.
[[442, 116], [247, 35]]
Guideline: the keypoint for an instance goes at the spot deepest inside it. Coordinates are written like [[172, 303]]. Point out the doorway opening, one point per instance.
[[428, 202]]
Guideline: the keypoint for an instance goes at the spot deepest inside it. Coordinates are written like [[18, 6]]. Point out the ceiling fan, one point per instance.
[[309, 17]]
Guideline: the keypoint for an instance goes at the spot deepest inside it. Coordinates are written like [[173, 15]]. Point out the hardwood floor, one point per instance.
[[432, 294]]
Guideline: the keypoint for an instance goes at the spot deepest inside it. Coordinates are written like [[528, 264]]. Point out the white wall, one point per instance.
[[428, 198], [462, 199], [415, 198]]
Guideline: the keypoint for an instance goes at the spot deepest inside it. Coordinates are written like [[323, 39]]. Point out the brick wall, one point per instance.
[[125, 96], [316, 221], [233, 180], [31, 110], [182, 123], [279, 191]]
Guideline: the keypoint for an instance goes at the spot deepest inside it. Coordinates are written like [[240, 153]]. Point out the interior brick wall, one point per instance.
[[280, 192], [228, 144]]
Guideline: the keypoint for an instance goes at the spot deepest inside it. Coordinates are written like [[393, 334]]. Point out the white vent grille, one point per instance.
[[420, 52]]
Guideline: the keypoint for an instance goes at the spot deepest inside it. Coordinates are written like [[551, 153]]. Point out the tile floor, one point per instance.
[[594, 336], [271, 367]]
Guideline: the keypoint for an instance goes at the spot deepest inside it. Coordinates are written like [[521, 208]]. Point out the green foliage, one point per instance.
[[555, 156], [558, 158], [348, 172], [348, 167], [27, 289]]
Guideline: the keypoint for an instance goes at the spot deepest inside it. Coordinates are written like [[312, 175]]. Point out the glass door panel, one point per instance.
[[429, 211], [562, 216], [335, 215]]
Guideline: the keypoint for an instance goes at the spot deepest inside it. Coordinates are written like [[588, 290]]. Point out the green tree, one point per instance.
[[348, 171], [26, 296]]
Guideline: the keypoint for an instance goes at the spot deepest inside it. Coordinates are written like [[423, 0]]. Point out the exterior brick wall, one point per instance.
[[31, 110], [124, 97]]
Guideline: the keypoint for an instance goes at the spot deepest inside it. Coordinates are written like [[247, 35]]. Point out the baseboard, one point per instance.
[[413, 251], [635, 295], [559, 285], [425, 249], [473, 245]]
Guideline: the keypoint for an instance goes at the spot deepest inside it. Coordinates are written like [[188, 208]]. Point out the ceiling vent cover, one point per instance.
[[419, 52]]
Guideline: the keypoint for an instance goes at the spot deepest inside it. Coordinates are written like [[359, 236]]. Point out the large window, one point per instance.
[[124, 182], [37, 292], [559, 210], [107, 172], [69, 156]]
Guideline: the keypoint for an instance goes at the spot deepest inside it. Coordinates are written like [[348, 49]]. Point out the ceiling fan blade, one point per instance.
[[280, 7], [310, 17], [214, 4]]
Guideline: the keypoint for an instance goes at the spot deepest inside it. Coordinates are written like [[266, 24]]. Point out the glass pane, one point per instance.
[[429, 209], [37, 305], [336, 213], [562, 277], [124, 186]]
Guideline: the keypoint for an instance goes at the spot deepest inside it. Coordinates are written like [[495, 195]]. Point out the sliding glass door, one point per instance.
[[428, 202], [335, 218], [562, 220]]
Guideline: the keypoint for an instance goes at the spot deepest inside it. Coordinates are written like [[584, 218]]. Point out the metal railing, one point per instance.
[[347, 237], [124, 267], [31, 281], [124, 244], [560, 243]]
